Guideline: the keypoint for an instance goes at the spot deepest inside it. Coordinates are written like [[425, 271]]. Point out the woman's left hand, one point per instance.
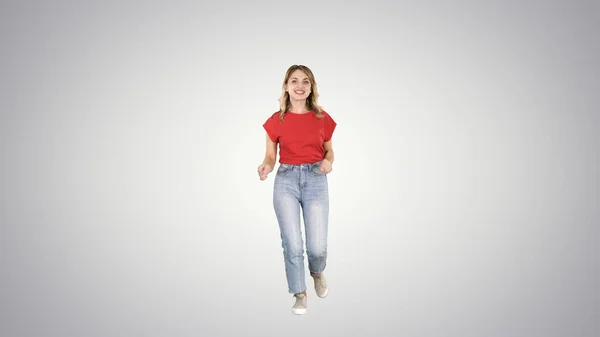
[[325, 166]]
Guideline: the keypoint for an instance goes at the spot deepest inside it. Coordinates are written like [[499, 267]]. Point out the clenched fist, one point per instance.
[[325, 166], [264, 170]]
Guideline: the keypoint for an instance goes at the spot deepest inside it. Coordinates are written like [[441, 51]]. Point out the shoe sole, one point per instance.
[[325, 294], [299, 311]]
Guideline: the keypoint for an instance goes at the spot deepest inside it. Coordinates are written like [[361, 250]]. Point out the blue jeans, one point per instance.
[[295, 187]]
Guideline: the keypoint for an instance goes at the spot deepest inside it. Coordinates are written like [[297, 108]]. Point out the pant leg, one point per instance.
[[286, 201], [315, 207]]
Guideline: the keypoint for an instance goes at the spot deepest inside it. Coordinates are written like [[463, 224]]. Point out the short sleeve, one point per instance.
[[329, 127], [271, 127]]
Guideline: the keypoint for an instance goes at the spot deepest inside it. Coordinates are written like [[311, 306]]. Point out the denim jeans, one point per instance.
[[302, 187]]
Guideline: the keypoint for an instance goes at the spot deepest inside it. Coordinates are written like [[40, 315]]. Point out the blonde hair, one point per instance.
[[311, 100]]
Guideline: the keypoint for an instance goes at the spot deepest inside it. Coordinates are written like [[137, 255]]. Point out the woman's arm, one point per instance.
[[327, 162], [270, 153], [329, 151], [269, 161]]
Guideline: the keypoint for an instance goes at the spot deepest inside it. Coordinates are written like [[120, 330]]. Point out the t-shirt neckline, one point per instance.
[[305, 113]]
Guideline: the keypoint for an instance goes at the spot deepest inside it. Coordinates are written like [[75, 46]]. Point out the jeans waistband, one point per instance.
[[310, 166]]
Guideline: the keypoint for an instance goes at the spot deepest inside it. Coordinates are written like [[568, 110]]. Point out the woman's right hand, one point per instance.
[[264, 170]]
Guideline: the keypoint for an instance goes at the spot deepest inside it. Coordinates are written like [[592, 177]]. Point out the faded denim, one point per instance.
[[303, 187]]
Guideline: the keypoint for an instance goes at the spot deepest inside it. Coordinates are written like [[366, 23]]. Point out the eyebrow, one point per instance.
[[295, 78]]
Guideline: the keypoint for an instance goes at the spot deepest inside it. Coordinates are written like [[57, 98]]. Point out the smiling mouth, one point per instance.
[[299, 92]]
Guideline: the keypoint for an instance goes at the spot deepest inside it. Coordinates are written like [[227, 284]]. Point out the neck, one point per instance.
[[298, 106]]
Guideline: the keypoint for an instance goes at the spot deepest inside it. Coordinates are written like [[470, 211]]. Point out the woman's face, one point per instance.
[[298, 85]]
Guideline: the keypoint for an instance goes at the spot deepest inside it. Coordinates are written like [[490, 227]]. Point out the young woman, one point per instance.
[[303, 131]]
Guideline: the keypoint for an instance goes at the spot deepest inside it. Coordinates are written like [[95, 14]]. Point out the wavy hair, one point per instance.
[[311, 100]]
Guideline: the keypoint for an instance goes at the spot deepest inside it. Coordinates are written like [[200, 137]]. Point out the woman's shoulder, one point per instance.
[[325, 113], [274, 114]]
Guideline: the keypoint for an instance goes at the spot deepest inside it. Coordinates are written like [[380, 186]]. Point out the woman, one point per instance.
[[303, 131]]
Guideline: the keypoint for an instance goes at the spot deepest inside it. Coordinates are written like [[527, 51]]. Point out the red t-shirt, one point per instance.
[[300, 136]]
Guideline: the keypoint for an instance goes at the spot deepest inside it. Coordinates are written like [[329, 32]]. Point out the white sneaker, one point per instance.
[[300, 306]]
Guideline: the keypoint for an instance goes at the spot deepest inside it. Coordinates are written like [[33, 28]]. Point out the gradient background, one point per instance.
[[464, 196]]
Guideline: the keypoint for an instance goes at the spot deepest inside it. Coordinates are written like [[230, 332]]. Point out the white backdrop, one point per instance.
[[463, 198]]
